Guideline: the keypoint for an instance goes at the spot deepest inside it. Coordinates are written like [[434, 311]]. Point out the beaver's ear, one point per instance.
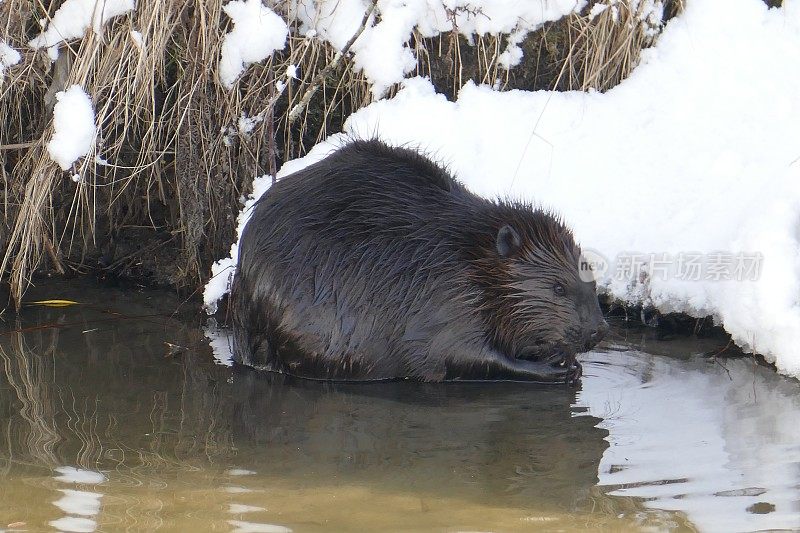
[[508, 241]]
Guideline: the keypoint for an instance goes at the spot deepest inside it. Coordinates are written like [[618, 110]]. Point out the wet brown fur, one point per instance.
[[375, 263], [548, 252]]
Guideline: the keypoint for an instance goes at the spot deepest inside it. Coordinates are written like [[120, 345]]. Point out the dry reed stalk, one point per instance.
[[605, 48]]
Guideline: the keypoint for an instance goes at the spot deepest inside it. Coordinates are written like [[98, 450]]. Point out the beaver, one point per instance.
[[375, 263]]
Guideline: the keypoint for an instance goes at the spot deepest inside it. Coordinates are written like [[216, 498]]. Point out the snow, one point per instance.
[[8, 58], [383, 51], [75, 131], [596, 10], [74, 17], [695, 153], [257, 33], [247, 124], [138, 39], [222, 270]]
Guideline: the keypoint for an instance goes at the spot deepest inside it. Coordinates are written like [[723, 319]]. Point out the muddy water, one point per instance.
[[115, 415]]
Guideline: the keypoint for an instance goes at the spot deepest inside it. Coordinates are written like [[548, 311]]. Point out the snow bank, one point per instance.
[[74, 17], [696, 154], [8, 58], [383, 52], [75, 131], [257, 33]]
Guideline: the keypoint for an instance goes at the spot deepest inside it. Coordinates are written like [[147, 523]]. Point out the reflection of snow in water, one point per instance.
[[237, 509], [722, 445], [240, 472], [221, 341], [70, 474], [74, 524], [251, 527], [79, 502], [82, 503], [233, 489]]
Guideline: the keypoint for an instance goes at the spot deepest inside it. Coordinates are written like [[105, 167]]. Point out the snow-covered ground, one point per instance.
[[685, 177]]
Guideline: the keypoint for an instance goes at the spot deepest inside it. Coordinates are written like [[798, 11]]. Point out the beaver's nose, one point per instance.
[[599, 332]]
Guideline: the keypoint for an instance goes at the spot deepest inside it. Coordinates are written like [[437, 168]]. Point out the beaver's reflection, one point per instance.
[[508, 443], [109, 398]]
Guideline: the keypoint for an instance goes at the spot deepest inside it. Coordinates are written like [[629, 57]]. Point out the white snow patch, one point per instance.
[[247, 124], [75, 131], [596, 10], [257, 33], [138, 40], [8, 58], [74, 17], [512, 55]]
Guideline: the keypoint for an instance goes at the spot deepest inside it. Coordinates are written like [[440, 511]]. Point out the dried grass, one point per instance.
[[604, 49]]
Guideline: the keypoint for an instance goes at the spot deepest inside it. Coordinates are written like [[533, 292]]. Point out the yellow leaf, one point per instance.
[[54, 303]]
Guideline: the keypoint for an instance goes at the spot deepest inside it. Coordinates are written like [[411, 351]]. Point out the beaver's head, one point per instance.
[[534, 302]]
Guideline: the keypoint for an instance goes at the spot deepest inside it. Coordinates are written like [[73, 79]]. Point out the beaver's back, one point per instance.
[[364, 190]]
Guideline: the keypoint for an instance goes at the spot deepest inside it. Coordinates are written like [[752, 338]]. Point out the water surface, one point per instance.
[[115, 415]]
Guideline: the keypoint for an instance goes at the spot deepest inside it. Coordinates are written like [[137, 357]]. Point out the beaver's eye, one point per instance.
[[559, 289]]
